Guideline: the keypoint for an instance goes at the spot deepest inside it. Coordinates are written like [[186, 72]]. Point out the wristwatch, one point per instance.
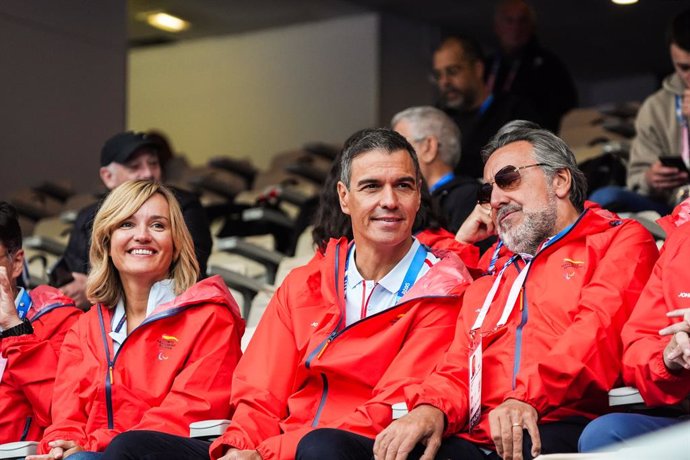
[[20, 329]]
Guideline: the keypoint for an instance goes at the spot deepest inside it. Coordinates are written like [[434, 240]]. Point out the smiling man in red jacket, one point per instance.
[[33, 325], [537, 345]]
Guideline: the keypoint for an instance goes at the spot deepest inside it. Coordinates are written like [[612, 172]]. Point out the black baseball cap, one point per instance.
[[121, 147]]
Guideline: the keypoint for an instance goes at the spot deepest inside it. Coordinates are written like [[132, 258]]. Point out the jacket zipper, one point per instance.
[[111, 362], [27, 425], [322, 403], [525, 314]]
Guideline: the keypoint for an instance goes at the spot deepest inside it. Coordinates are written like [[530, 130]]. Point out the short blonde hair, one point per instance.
[[103, 283]]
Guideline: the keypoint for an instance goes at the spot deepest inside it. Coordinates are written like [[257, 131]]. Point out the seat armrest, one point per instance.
[[623, 396], [267, 258], [18, 449], [208, 428], [245, 285], [268, 215], [43, 243]]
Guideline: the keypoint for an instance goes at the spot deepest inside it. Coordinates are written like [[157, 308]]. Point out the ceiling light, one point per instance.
[[167, 22], [624, 2]]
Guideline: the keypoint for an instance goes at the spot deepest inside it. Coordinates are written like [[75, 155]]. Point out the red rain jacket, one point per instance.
[[668, 289], [27, 384], [560, 349], [173, 369], [304, 369]]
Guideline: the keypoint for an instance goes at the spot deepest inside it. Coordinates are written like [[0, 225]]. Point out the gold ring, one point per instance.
[[517, 424]]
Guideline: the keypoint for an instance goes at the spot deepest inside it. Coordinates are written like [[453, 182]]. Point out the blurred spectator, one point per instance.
[[32, 328], [436, 139], [523, 67], [459, 75], [660, 156], [126, 156]]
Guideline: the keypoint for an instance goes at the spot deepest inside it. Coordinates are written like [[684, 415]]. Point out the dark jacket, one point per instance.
[[456, 200], [478, 127]]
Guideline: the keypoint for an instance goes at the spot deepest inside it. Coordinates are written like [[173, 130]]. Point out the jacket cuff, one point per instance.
[[221, 445], [659, 369]]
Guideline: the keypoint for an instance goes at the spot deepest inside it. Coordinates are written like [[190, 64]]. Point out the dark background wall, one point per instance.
[[62, 88]]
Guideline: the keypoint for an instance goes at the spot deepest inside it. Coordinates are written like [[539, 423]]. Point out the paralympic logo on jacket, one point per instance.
[[165, 344]]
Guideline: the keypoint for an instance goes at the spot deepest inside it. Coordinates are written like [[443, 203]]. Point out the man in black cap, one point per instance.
[[127, 156]]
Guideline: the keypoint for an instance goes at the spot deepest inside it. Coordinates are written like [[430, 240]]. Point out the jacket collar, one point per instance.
[[45, 297]]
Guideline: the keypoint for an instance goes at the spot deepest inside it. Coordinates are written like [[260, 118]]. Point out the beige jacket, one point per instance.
[[658, 133]]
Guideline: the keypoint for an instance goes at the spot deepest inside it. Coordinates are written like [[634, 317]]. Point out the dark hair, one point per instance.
[[679, 30], [369, 139], [548, 149], [331, 222], [471, 49], [10, 232]]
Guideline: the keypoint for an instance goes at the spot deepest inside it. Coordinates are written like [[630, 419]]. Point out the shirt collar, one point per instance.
[[161, 292], [393, 279], [442, 181]]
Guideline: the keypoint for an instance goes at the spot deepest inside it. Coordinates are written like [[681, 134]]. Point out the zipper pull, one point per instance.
[[110, 371], [330, 339]]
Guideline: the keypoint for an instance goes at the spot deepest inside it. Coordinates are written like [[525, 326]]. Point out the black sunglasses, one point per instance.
[[507, 178]]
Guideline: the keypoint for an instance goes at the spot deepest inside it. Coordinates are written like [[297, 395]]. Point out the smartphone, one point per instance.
[[674, 162]]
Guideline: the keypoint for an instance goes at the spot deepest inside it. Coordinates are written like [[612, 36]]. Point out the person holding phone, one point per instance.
[[33, 326], [655, 181], [158, 349]]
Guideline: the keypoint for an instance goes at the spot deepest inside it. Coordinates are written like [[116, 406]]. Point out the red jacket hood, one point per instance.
[[679, 216], [47, 297], [209, 290]]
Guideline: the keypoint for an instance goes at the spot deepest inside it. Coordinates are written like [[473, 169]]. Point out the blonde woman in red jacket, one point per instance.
[[156, 351]]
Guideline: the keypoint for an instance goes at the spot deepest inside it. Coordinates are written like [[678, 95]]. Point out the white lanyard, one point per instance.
[[512, 296]]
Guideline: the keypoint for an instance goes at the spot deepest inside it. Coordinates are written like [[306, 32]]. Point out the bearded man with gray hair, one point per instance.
[[537, 344]]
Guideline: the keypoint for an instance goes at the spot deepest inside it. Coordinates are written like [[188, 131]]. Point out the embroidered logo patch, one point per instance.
[[570, 267], [165, 344]]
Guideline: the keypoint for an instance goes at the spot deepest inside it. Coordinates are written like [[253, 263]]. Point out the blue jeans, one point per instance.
[[86, 456], [616, 428], [620, 199]]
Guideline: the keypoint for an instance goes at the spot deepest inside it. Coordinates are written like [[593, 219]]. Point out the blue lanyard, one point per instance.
[[442, 181], [411, 275], [121, 323], [486, 104], [679, 112], [412, 272], [24, 304]]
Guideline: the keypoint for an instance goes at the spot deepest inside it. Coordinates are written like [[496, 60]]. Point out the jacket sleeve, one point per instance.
[[646, 148], [587, 356], [448, 378], [68, 404], [32, 359], [423, 348], [643, 364], [262, 382], [200, 391]]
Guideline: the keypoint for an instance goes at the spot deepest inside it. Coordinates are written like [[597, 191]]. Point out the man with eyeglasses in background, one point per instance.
[[458, 73], [537, 344]]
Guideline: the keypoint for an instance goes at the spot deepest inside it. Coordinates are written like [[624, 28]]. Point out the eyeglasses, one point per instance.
[[507, 178]]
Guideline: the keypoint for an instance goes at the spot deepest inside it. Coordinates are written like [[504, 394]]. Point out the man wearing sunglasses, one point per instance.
[[537, 340]]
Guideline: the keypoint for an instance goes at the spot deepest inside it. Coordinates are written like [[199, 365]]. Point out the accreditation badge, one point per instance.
[[3, 365], [475, 379]]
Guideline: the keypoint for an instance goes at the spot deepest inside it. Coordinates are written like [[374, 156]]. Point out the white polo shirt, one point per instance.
[[364, 298]]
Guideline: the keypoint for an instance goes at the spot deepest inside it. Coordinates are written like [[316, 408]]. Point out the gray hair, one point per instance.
[[429, 121], [367, 140], [548, 149]]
